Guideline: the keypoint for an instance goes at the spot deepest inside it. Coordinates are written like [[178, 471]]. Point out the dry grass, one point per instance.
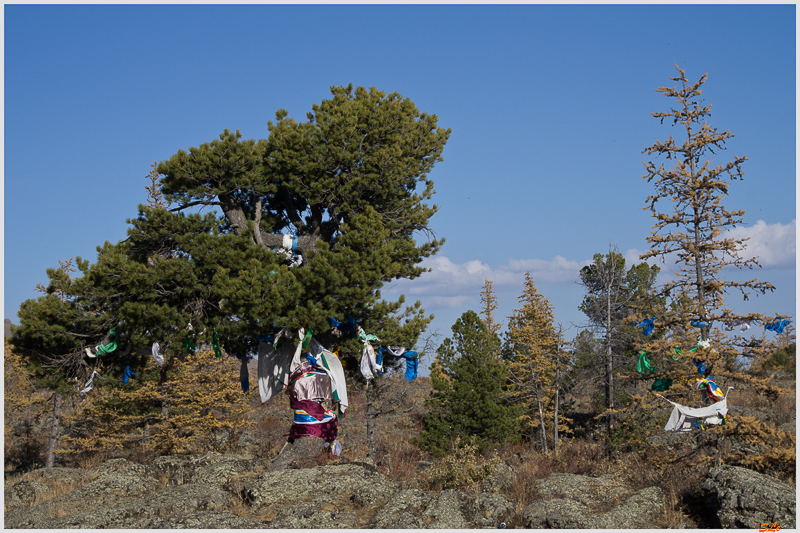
[[399, 459]]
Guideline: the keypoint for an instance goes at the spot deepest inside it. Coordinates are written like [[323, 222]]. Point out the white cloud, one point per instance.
[[451, 285], [773, 245]]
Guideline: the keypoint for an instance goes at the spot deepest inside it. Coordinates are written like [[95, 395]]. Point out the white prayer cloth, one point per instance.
[[368, 362], [331, 364], [336, 448], [744, 325], [89, 385], [159, 359], [680, 413]]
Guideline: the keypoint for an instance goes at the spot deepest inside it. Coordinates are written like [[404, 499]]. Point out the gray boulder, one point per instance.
[[583, 502], [403, 510], [446, 511], [24, 493], [321, 497], [170, 507], [742, 498], [113, 483], [491, 510], [209, 468]]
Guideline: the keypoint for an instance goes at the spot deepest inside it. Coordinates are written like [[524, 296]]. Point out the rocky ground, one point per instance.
[[214, 490]]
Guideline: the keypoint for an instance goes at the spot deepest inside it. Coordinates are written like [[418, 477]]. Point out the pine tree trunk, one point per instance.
[[541, 422], [555, 408], [609, 368], [54, 431]]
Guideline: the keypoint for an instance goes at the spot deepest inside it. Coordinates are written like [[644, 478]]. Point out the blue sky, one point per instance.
[[549, 106]]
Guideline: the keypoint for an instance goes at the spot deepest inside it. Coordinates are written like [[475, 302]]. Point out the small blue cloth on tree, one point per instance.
[[647, 324], [127, 374], [777, 325]]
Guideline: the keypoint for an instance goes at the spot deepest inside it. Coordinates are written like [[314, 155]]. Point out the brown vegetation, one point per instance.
[[751, 439]]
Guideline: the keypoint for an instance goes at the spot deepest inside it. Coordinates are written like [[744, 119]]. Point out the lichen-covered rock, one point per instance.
[[172, 505], [320, 519], [583, 502], [559, 514], [276, 489], [113, 486], [23, 493], [446, 511], [490, 510], [637, 511], [206, 520], [743, 498], [403, 510], [120, 466], [211, 467], [584, 489]]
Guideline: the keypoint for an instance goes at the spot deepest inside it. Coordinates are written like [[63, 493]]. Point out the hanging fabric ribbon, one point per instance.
[[347, 328], [127, 374], [777, 325], [159, 359], [643, 366], [307, 340], [369, 362], [190, 345], [112, 344], [648, 325], [678, 351], [364, 336], [661, 384], [244, 375], [89, 385], [744, 325], [103, 349], [411, 365], [215, 344]]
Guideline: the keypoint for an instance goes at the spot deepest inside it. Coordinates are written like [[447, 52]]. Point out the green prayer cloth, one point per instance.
[[678, 351], [103, 349], [366, 337], [643, 366], [307, 341], [215, 344], [661, 384], [191, 346]]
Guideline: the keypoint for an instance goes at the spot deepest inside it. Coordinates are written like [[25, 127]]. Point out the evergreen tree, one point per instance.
[[690, 225], [489, 302], [692, 222], [615, 299], [469, 400], [533, 348], [341, 188], [205, 399]]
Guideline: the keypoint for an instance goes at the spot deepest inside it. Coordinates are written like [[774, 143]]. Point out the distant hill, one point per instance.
[[6, 328]]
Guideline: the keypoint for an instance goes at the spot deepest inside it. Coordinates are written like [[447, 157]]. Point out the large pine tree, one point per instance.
[[469, 398], [347, 190]]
